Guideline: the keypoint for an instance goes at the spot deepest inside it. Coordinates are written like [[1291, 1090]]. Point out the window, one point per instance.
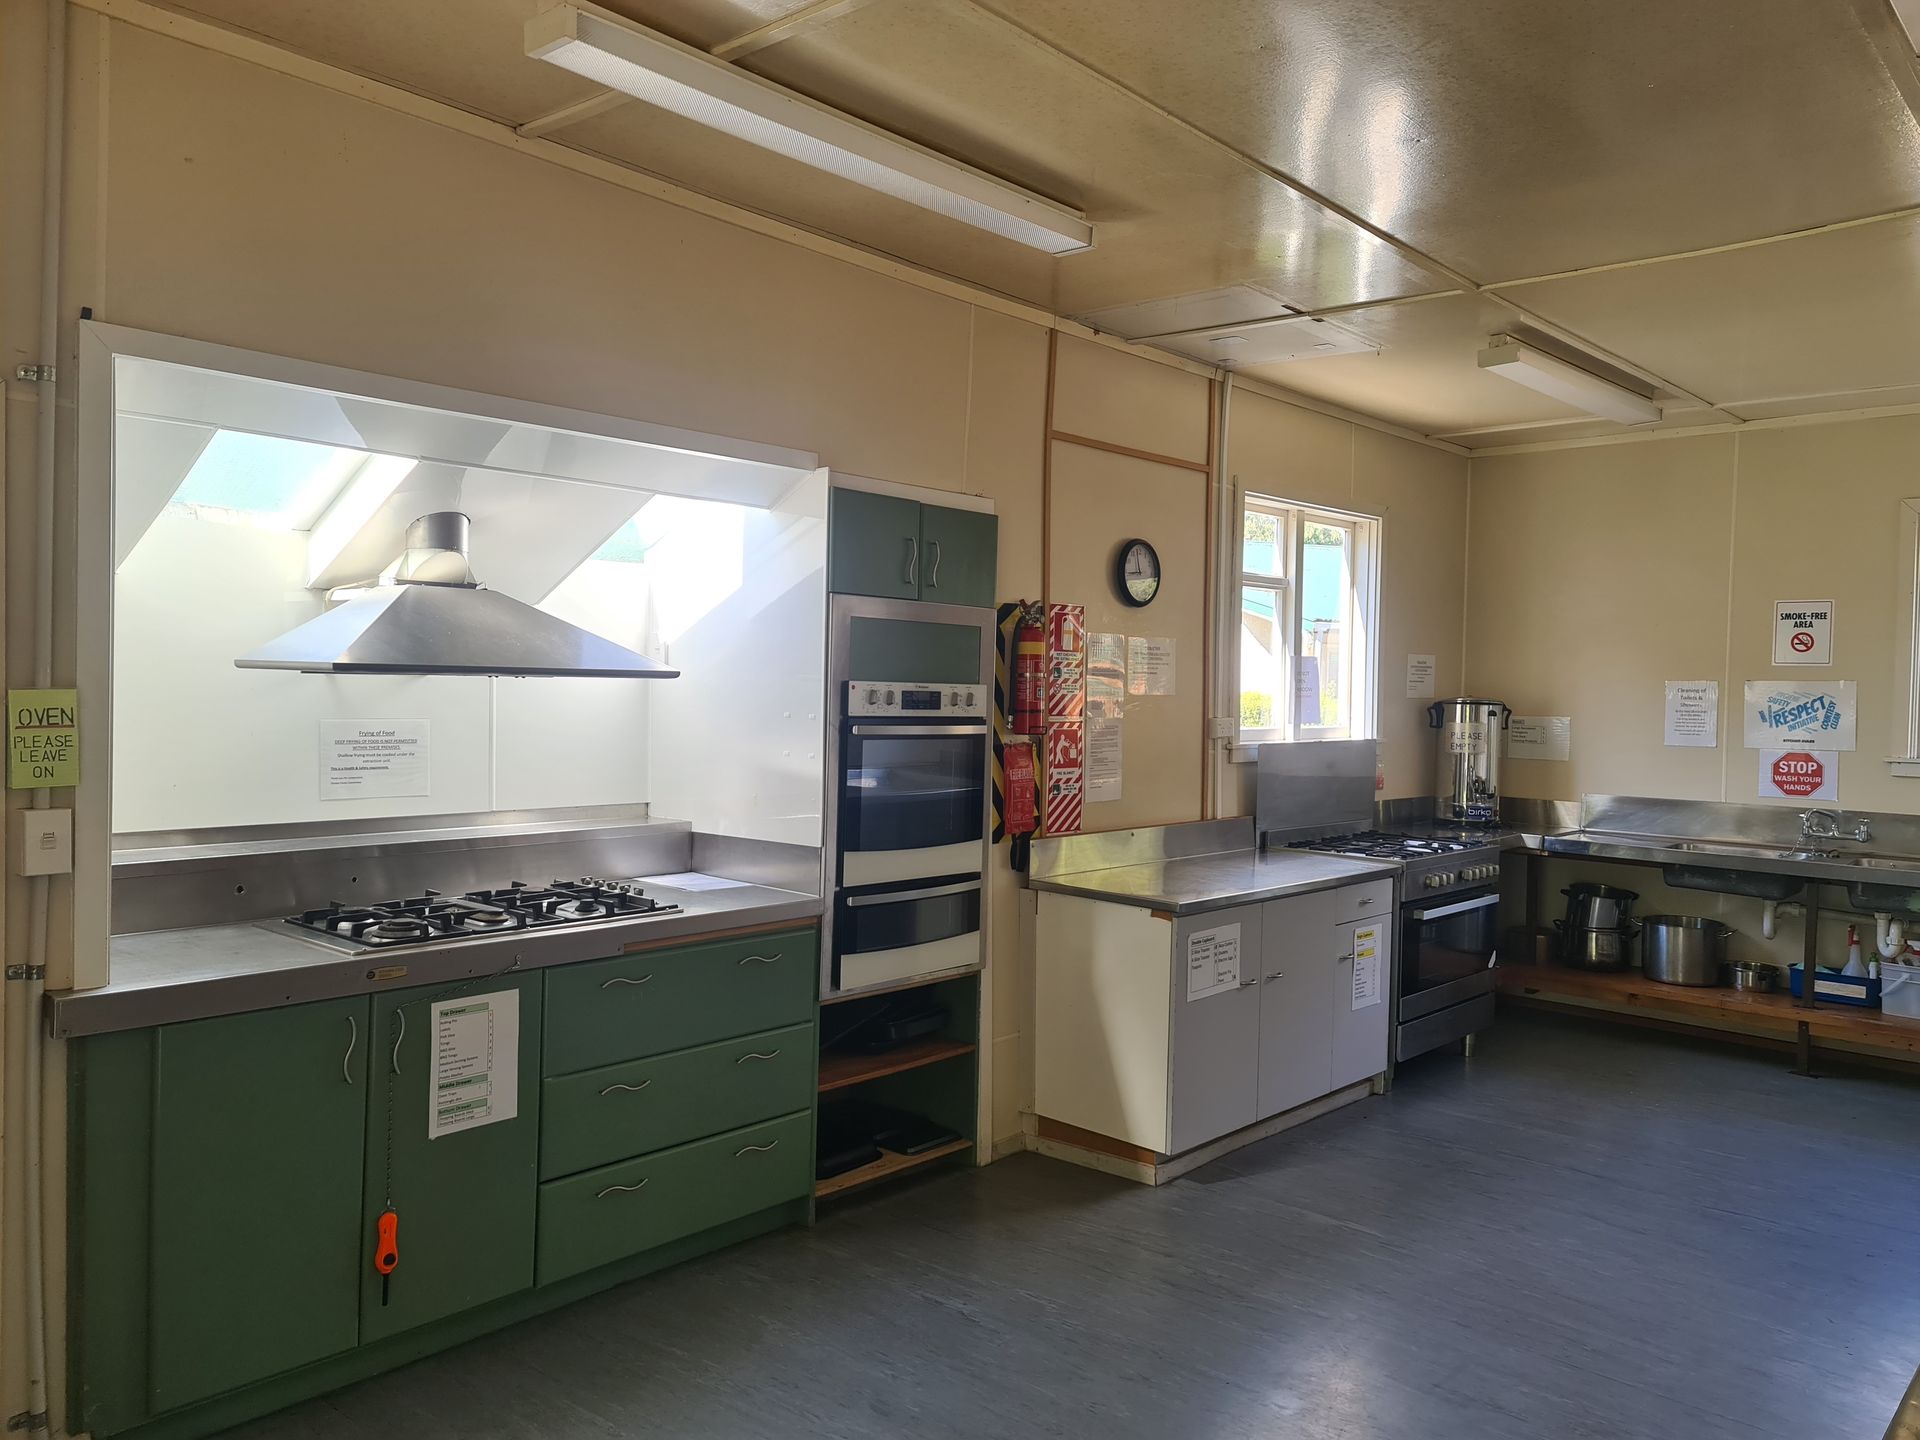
[[1308, 613]]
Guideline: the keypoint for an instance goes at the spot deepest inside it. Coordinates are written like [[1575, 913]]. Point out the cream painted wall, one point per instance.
[[1420, 495], [1597, 574]]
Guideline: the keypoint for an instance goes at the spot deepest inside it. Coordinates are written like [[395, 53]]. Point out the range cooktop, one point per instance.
[[431, 916], [1391, 845]]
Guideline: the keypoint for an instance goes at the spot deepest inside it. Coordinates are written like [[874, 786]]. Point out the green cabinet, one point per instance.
[[258, 1128], [899, 549], [464, 1198]]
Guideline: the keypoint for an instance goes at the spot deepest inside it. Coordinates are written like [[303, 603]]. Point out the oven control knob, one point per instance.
[[954, 699], [889, 697], [873, 697], [969, 700]]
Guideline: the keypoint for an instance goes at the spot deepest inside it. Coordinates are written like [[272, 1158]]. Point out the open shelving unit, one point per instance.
[[885, 1168], [837, 1072]]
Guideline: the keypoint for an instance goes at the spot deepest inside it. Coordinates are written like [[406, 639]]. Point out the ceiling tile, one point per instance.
[[1821, 315], [1506, 436], [1426, 376], [1511, 138], [706, 23], [471, 53], [1174, 214], [1892, 395]]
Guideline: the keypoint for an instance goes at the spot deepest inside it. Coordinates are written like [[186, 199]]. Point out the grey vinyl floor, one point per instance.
[[1581, 1232]]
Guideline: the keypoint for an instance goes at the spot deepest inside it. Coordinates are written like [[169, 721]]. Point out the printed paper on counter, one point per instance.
[[1213, 961], [1103, 760], [1366, 967], [374, 759], [1149, 665], [1420, 677], [475, 1078], [1799, 774], [1693, 713], [1803, 632], [695, 880], [1106, 675], [1539, 737], [1781, 713]]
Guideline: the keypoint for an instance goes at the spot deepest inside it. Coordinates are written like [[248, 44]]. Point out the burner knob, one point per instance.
[[1434, 882]]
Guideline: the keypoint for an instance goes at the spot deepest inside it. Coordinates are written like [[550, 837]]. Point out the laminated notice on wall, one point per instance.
[[1366, 966], [1693, 713], [1420, 669], [1781, 713], [1066, 777], [1103, 760], [1149, 665], [1213, 961], [375, 759], [1106, 675], [1066, 661], [475, 1076], [1539, 737]]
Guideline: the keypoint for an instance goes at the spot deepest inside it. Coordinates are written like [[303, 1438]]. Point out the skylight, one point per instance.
[[265, 481], [624, 546]]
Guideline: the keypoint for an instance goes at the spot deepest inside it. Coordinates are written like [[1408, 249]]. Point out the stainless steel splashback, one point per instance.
[[1109, 849], [1893, 834], [1315, 788]]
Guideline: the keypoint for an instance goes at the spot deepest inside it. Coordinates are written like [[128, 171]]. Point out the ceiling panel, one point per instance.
[[1828, 404], [1426, 376], [469, 52], [706, 23], [1679, 417], [1512, 138], [1174, 214], [1824, 314]]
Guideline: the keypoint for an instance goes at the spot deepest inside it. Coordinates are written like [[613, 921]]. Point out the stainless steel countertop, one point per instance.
[[1848, 866], [1213, 882], [162, 976]]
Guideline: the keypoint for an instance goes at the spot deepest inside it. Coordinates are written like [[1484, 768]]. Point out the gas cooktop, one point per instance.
[[432, 916], [1393, 845]]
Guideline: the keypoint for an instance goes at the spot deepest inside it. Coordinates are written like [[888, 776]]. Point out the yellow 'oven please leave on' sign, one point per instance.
[[43, 739]]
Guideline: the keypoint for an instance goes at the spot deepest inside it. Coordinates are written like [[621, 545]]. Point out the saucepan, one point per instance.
[[1683, 949]]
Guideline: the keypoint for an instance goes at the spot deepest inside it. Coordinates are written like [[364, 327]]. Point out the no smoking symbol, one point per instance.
[[1802, 641]]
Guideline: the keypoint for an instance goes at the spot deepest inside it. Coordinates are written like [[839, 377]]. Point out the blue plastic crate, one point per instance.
[[1839, 988]]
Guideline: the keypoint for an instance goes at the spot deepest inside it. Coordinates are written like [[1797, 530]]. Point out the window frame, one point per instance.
[[1359, 620]]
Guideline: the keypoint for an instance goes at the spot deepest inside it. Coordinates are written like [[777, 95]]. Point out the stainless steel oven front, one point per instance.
[[910, 775], [1446, 982]]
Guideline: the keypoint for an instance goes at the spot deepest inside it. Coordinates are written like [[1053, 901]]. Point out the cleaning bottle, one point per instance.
[[1854, 966]]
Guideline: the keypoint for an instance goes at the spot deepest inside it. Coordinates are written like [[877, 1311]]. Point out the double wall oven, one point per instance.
[[910, 764]]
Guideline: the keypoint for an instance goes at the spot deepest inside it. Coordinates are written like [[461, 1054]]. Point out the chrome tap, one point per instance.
[[1825, 825]]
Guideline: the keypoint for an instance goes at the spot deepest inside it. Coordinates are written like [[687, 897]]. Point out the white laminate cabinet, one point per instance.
[[1167, 1033]]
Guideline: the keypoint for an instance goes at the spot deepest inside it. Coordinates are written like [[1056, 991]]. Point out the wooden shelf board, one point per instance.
[[837, 1071], [1760, 1014], [888, 1165]]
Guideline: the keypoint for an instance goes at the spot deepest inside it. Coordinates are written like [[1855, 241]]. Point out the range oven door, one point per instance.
[[1447, 951], [913, 801], [905, 932]]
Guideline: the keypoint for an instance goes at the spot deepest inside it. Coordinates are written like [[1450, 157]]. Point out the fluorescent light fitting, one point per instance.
[[1569, 384], [663, 72]]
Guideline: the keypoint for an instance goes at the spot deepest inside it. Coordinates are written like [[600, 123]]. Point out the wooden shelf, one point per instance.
[[1778, 1014], [837, 1071], [888, 1165]]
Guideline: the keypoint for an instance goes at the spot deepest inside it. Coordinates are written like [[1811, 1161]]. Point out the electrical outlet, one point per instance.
[[43, 842]]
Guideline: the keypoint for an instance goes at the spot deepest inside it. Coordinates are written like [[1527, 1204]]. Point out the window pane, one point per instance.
[[1260, 539], [1263, 659], [1326, 582]]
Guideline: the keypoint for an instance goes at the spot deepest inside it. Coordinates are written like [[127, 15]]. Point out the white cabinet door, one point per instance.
[[1216, 1025], [1362, 1000], [1297, 977]]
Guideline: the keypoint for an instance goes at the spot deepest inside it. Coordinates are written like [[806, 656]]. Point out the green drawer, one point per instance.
[[608, 1011], [604, 1215], [598, 1116]]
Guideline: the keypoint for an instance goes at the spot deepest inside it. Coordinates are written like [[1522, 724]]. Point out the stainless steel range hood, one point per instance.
[[428, 616]]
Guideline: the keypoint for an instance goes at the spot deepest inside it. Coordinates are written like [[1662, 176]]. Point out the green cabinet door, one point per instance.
[[464, 1197], [958, 552], [874, 545], [258, 1132]]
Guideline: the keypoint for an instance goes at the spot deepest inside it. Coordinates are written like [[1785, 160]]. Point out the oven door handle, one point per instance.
[[978, 727], [906, 897], [1442, 911]]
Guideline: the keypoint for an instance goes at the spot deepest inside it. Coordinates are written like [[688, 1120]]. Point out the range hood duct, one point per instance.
[[429, 616]]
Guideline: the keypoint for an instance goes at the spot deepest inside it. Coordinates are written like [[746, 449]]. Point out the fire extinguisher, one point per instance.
[[1029, 675]]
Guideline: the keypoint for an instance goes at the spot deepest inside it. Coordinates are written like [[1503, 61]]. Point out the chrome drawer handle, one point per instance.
[[759, 959], [1276, 975], [754, 1149], [620, 1190], [623, 980], [758, 1055], [631, 1088], [353, 1038]]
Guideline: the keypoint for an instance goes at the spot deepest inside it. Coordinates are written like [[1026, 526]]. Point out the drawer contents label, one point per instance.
[[476, 1062], [1366, 966], [1213, 961]]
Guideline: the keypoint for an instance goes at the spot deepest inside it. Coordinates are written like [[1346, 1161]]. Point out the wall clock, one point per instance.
[[1136, 574]]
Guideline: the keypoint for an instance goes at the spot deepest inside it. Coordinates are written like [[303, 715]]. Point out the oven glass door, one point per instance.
[[1447, 950], [881, 937], [913, 801]]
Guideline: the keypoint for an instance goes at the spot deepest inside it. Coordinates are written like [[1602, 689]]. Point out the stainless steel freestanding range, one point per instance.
[[910, 756]]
